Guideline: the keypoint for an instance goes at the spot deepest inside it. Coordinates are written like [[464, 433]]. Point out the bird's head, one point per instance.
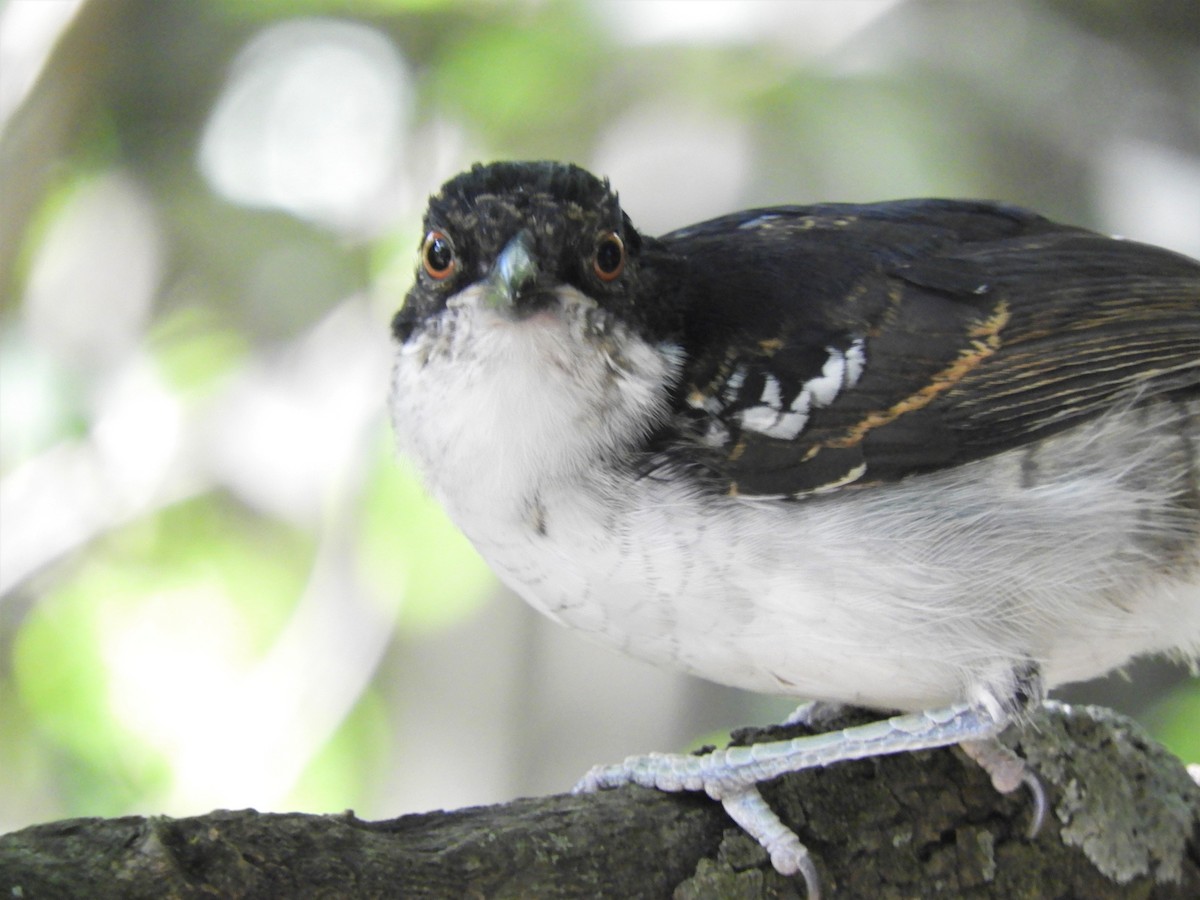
[[539, 335], [521, 239]]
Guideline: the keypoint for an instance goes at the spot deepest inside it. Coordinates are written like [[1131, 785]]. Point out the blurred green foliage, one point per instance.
[[202, 573], [1174, 720], [439, 573]]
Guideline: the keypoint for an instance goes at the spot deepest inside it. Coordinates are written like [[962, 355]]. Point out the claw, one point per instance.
[[1008, 772], [788, 855], [1038, 790]]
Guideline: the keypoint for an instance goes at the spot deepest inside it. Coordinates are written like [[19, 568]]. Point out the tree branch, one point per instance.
[[1123, 822]]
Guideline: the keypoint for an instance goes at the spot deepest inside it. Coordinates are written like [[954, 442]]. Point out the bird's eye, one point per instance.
[[609, 260], [437, 256]]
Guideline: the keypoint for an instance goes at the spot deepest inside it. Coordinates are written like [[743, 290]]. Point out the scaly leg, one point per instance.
[[732, 774]]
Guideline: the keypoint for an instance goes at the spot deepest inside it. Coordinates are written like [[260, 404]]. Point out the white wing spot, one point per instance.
[[790, 425], [771, 393], [856, 360], [784, 426], [774, 418], [759, 418], [841, 370], [833, 375], [734, 384]]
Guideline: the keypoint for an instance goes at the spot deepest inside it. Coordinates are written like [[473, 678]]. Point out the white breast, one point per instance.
[[494, 411]]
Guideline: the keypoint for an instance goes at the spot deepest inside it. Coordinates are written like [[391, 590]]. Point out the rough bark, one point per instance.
[[1122, 822]]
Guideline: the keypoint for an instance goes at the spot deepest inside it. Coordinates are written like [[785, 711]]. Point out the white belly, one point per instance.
[[901, 596]]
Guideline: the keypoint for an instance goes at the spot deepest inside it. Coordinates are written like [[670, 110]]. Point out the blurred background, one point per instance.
[[218, 587]]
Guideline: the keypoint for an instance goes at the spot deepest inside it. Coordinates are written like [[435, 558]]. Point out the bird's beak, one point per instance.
[[513, 273]]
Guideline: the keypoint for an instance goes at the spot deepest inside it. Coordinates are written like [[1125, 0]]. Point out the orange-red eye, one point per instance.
[[437, 256], [609, 261]]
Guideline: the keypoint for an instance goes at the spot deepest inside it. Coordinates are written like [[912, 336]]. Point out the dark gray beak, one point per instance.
[[513, 273]]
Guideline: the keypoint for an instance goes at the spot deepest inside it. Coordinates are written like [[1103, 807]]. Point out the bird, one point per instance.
[[928, 457]]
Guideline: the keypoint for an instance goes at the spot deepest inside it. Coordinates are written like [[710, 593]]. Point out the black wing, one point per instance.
[[838, 344]]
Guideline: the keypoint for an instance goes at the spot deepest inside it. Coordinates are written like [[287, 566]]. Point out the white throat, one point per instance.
[[495, 409]]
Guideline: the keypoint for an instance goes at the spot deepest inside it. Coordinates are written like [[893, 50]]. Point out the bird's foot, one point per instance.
[[732, 774]]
